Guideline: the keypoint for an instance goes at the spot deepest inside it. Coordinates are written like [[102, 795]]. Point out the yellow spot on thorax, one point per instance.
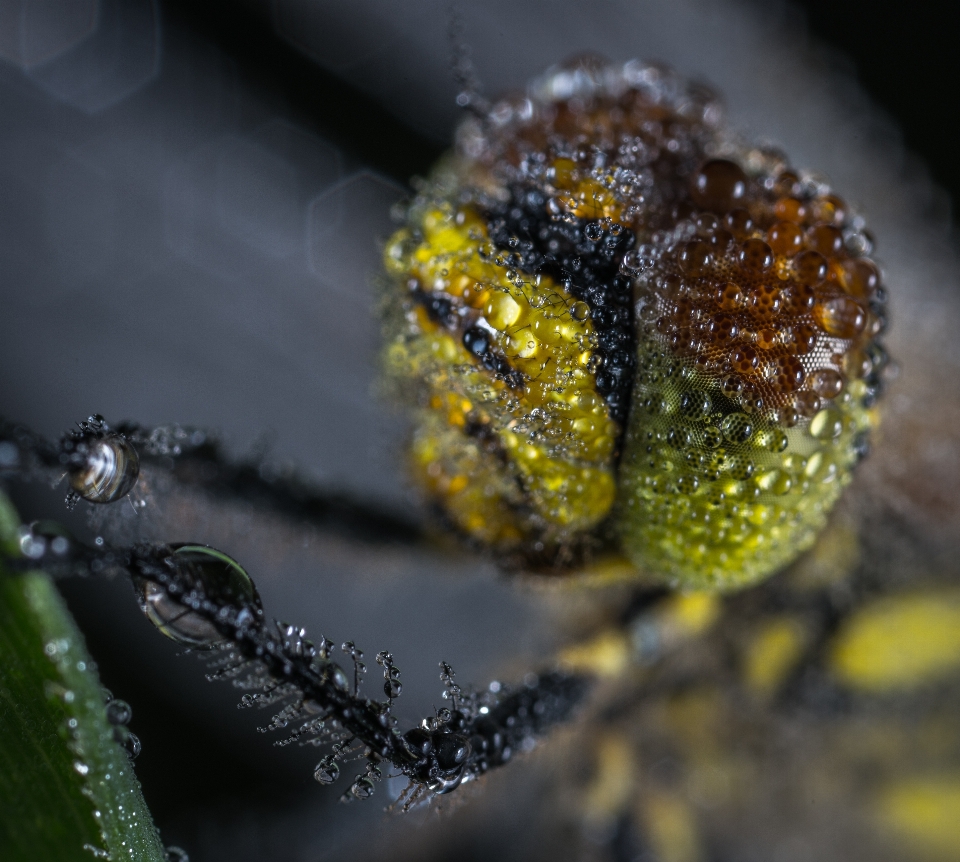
[[771, 654], [900, 642], [925, 814]]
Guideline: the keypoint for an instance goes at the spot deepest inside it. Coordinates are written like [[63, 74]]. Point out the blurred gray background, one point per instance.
[[192, 200]]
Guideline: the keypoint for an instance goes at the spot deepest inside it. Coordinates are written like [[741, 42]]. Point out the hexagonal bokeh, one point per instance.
[[34, 32], [119, 57], [345, 223], [243, 196]]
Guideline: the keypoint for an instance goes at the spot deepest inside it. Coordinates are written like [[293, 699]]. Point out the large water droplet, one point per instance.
[[109, 472], [210, 573]]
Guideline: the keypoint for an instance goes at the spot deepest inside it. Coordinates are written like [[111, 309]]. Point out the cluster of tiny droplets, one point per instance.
[[513, 327], [757, 319], [720, 331], [204, 600], [392, 687]]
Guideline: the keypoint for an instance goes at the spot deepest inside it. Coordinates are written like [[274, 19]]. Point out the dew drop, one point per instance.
[[129, 741], [362, 788], [580, 311], [202, 569], [719, 185], [826, 382], [327, 771], [827, 424], [119, 712], [737, 427], [392, 688], [593, 231], [110, 471]]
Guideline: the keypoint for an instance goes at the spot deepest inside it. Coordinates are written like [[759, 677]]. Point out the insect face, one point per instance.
[[626, 333]]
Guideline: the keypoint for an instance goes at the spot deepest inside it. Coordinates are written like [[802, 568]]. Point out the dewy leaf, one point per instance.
[[67, 788]]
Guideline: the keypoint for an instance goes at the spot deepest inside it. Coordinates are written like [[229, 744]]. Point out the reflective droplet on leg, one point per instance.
[[327, 771], [362, 788], [202, 573], [392, 688], [109, 472]]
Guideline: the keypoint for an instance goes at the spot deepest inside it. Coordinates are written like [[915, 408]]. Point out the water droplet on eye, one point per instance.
[[826, 382], [827, 424], [774, 482], [719, 185], [207, 571], [737, 427], [842, 317], [119, 712], [593, 231], [810, 268], [327, 771], [712, 437], [695, 404], [785, 238], [755, 256], [776, 441], [731, 385], [580, 311], [110, 471]]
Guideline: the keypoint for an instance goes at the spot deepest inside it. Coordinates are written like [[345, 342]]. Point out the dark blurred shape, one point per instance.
[[905, 57]]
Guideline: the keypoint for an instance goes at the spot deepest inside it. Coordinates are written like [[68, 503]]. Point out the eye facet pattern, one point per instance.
[[625, 333]]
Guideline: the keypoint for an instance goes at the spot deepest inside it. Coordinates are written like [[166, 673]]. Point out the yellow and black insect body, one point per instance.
[[628, 334]]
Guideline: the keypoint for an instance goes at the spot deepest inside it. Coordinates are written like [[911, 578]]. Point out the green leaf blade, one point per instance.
[[67, 788]]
